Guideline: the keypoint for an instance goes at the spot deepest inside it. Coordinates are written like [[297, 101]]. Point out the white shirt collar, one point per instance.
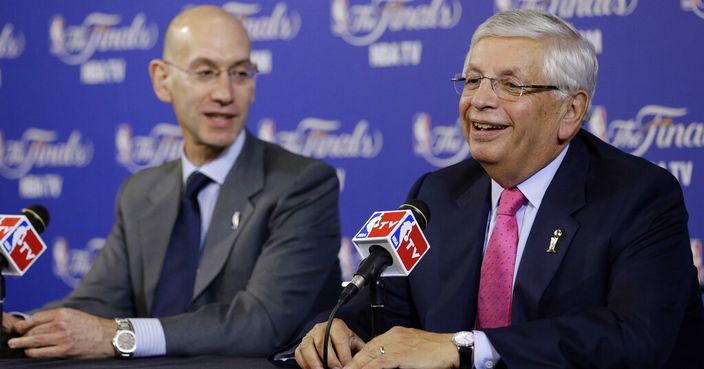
[[535, 186], [216, 169]]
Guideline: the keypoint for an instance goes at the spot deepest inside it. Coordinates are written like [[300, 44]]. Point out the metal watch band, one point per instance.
[[124, 325], [125, 332]]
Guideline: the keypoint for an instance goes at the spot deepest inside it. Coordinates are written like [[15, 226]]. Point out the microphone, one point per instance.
[[392, 243], [20, 244]]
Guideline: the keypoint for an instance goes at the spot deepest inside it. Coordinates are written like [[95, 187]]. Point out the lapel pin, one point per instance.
[[235, 220], [556, 236]]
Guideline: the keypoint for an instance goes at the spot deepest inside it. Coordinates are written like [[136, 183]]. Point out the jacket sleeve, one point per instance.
[[106, 290]]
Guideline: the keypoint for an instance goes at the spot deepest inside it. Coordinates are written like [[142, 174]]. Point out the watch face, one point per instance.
[[126, 342], [464, 339]]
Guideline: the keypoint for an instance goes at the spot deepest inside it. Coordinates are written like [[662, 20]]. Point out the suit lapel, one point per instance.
[[458, 248], [155, 225], [564, 197], [476, 204], [245, 179]]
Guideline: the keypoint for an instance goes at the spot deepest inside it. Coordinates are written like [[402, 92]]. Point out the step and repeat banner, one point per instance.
[[361, 84]]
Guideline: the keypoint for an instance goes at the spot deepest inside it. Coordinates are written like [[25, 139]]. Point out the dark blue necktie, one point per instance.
[[178, 275]]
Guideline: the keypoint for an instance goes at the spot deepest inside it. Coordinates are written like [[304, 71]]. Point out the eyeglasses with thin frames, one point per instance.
[[238, 75], [505, 88]]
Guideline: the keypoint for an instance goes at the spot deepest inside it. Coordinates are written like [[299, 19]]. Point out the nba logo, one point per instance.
[[19, 243]]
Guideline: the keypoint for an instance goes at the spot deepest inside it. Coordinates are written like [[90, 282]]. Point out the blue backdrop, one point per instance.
[[361, 84]]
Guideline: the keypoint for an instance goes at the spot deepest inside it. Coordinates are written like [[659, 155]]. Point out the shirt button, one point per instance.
[[489, 364]]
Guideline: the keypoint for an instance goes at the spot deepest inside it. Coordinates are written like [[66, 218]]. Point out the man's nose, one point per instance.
[[222, 89], [485, 96]]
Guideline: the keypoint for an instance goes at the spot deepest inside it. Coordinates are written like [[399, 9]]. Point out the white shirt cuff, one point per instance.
[[20, 314], [485, 356], [150, 337]]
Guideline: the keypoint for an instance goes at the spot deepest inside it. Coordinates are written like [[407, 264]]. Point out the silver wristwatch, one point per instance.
[[465, 346], [124, 341]]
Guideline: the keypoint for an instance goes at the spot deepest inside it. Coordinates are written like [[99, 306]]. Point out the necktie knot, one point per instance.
[[195, 182], [511, 200]]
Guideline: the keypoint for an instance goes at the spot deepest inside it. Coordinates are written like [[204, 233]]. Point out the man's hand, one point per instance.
[[407, 348], [8, 321], [343, 343], [64, 333]]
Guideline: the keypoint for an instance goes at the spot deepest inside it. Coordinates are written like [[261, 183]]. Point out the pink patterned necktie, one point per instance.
[[494, 304]]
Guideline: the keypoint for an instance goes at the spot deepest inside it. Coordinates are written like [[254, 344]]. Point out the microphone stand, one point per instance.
[[5, 350], [3, 264], [376, 300]]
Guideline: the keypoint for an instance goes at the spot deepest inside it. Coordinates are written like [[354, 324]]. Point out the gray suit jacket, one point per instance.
[[256, 284]]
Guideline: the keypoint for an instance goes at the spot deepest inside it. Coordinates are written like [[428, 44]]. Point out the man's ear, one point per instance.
[[571, 122], [159, 75]]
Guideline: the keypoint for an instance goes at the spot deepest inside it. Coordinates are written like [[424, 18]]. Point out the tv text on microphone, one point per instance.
[[20, 243]]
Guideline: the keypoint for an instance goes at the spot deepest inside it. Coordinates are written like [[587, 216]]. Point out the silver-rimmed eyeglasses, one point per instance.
[[239, 74], [505, 88]]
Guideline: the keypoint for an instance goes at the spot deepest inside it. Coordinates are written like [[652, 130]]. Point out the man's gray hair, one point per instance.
[[570, 60]]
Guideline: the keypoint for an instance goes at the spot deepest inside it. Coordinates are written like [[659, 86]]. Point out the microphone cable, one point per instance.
[[328, 326]]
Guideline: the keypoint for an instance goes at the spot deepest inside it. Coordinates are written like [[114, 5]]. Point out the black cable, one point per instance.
[[340, 302], [3, 264]]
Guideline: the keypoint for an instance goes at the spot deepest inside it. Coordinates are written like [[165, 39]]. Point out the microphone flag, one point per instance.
[[20, 244], [399, 233]]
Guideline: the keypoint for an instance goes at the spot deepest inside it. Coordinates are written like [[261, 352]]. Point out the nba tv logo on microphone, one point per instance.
[[399, 233], [20, 244]]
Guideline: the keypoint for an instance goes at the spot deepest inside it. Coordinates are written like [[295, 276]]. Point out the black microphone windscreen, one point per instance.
[[38, 215], [420, 211]]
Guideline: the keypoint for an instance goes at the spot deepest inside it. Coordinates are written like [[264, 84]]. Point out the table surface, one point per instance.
[[200, 362]]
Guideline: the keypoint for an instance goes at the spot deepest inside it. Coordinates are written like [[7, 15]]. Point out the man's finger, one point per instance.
[[44, 328], [356, 343], [336, 344], [307, 355], [333, 360], [7, 321], [23, 326], [35, 341], [364, 356], [340, 337], [34, 320]]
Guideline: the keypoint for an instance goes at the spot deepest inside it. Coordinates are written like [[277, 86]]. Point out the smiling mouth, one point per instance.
[[488, 126], [219, 115]]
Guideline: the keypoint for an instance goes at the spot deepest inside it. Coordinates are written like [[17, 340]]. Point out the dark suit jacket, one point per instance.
[[257, 283], [620, 292]]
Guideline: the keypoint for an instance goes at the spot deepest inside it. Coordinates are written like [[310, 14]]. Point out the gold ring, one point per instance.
[[381, 349]]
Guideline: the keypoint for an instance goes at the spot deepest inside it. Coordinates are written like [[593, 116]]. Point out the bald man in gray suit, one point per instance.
[[270, 225]]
